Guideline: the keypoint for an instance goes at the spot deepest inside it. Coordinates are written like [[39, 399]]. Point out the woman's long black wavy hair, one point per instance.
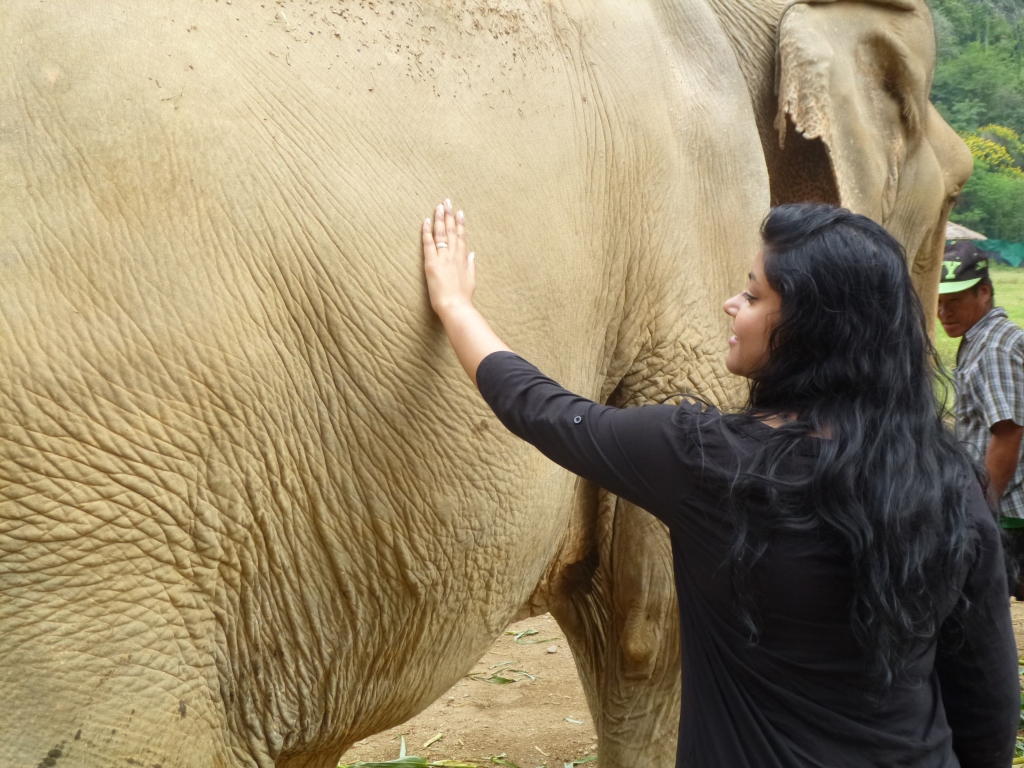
[[850, 360]]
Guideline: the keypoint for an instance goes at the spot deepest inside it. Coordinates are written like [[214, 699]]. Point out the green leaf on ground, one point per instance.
[[518, 637], [502, 759], [495, 679], [520, 672], [411, 762]]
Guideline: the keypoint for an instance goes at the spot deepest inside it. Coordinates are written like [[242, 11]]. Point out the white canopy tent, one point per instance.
[[957, 232]]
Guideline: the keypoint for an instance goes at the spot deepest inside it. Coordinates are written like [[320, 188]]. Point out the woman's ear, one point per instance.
[[855, 126]]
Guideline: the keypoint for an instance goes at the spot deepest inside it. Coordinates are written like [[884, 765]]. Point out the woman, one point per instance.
[[842, 596]]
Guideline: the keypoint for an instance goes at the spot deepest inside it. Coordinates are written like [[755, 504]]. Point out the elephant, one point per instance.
[[250, 512]]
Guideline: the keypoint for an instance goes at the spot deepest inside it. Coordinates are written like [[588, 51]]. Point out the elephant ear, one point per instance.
[[852, 80]]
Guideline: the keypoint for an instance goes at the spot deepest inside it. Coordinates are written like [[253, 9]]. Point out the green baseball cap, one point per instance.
[[963, 267]]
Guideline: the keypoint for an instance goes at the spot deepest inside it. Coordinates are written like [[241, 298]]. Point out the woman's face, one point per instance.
[[754, 313]]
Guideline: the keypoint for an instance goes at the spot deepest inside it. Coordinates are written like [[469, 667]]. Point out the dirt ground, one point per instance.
[[533, 722]]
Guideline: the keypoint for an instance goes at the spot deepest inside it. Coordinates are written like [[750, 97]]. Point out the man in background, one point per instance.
[[989, 384]]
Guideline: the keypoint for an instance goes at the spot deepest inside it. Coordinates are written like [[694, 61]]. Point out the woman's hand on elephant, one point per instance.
[[451, 279], [450, 271]]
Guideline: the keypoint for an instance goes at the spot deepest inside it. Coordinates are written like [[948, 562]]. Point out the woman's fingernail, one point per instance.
[[447, 204], [440, 210], [460, 215], [471, 257], [427, 221]]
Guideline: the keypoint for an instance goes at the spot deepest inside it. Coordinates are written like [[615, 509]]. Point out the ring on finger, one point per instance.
[[441, 245]]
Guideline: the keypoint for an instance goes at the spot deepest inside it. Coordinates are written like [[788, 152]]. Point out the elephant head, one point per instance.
[[855, 126], [840, 94]]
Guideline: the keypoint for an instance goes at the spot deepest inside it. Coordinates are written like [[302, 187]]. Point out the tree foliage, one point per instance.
[[979, 90], [993, 199], [997, 148]]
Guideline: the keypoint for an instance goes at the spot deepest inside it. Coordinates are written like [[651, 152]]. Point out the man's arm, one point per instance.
[[1002, 456]]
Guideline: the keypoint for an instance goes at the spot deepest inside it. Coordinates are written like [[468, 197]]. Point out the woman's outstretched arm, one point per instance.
[[629, 451], [451, 280]]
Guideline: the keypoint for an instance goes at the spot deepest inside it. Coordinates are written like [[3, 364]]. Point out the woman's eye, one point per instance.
[[747, 296]]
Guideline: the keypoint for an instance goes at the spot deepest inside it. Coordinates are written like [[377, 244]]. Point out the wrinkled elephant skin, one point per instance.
[[250, 509]]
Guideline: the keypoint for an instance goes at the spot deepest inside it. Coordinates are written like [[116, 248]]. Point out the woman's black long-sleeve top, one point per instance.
[[797, 697]]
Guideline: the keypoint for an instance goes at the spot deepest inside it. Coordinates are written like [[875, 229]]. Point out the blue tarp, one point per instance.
[[1005, 252]]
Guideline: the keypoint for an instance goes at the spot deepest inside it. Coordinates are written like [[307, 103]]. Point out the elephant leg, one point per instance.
[[623, 628]]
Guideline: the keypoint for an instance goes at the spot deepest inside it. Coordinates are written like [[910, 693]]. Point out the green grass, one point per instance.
[[1008, 283]]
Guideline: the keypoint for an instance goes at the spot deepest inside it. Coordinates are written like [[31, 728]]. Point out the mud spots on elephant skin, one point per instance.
[[182, 709], [424, 43], [52, 757]]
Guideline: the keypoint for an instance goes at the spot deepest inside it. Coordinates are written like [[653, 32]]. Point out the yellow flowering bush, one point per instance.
[[993, 153], [1009, 136]]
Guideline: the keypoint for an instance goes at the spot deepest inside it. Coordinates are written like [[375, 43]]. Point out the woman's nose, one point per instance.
[[730, 305]]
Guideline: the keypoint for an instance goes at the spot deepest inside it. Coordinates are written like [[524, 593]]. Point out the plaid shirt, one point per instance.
[[989, 383]]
